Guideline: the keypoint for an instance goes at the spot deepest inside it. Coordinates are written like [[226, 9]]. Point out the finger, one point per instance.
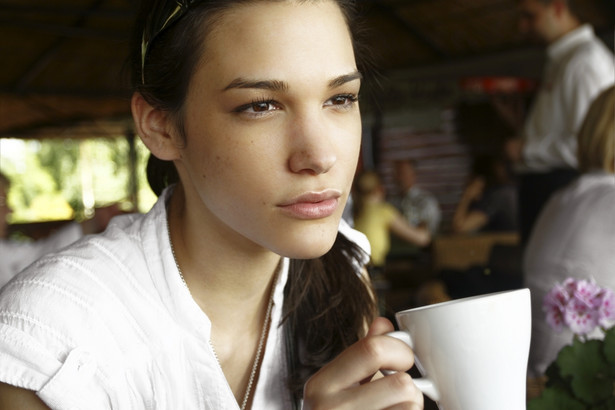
[[395, 391], [361, 360], [380, 326], [406, 406]]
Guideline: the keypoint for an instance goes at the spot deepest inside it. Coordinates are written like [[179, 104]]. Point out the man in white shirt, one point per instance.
[[579, 66]]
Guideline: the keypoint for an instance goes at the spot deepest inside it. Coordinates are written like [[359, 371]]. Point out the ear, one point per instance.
[[155, 129]]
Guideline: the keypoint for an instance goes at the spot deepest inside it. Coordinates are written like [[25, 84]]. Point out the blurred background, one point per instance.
[[66, 137], [67, 141]]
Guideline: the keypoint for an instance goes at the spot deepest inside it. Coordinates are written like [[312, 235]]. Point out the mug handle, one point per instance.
[[424, 384]]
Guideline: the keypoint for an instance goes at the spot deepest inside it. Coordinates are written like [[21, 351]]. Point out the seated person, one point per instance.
[[377, 219], [574, 234], [419, 207], [489, 201]]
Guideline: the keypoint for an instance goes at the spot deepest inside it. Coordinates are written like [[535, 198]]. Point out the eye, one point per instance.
[[342, 101], [261, 106], [258, 107]]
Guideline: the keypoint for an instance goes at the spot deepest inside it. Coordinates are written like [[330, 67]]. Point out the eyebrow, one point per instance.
[[276, 85], [343, 79], [272, 85]]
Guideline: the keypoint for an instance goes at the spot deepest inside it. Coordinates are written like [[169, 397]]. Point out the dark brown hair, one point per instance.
[[328, 304]]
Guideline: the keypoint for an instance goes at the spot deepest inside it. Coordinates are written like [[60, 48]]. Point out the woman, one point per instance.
[[489, 201], [236, 290], [573, 236], [377, 219]]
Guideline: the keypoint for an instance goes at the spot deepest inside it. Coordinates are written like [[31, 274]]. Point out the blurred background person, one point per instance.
[[378, 219], [419, 207], [579, 66], [489, 201], [575, 233], [16, 255]]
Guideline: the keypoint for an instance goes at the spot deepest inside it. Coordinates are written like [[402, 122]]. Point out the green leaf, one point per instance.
[[607, 405], [584, 364], [555, 399], [609, 345], [554, 377]]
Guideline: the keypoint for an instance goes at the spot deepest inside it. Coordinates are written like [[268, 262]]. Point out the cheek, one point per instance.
[[214, 154], [214, 167], [240, 168]]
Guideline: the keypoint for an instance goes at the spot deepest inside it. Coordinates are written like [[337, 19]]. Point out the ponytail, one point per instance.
[[327, 306]]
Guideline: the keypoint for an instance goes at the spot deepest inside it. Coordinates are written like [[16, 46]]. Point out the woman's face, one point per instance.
[[273, 127]]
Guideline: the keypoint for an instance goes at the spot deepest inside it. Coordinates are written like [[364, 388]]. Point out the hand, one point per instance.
[[348, 381], [475, 189]]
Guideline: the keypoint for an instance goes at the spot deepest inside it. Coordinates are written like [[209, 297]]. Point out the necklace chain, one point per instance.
[[264, 330]]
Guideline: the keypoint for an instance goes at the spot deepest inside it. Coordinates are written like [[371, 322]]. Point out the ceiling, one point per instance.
[[64, 59]]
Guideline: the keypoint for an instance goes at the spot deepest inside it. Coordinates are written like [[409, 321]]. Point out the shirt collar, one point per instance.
[[570, 40]]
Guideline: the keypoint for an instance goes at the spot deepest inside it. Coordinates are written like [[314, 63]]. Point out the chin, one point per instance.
[[308, 245], [308, 253]]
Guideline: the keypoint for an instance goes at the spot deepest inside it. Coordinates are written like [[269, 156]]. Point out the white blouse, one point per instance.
[[17, 255], [573, 237], [108, 323]]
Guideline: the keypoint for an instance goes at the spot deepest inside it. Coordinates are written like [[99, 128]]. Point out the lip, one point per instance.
[[312, 205]]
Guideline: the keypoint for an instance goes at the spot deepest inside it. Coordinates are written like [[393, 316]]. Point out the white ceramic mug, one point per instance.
[[473, 351]]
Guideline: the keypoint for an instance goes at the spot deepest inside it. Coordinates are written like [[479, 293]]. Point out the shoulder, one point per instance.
[[87, 258], [70, 283], [89, 293], [426, 197], [389, 211], [113, 258], [594, 189], [590, 57], [430, 199], [584, 205]]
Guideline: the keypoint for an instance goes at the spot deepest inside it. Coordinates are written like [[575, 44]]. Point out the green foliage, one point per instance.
[[51, 179], [584, 364], [555, 398], [609, 346], [582, 377]]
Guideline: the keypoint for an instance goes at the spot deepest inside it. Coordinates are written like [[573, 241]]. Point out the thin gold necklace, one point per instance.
[[264, 330]]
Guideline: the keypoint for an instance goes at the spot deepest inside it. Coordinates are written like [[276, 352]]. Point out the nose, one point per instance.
[[312, 145]]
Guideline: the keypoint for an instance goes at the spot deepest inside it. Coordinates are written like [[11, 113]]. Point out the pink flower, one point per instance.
[[580, 317], [554, 305], [605, 304], [580, 305], [586, 291]]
